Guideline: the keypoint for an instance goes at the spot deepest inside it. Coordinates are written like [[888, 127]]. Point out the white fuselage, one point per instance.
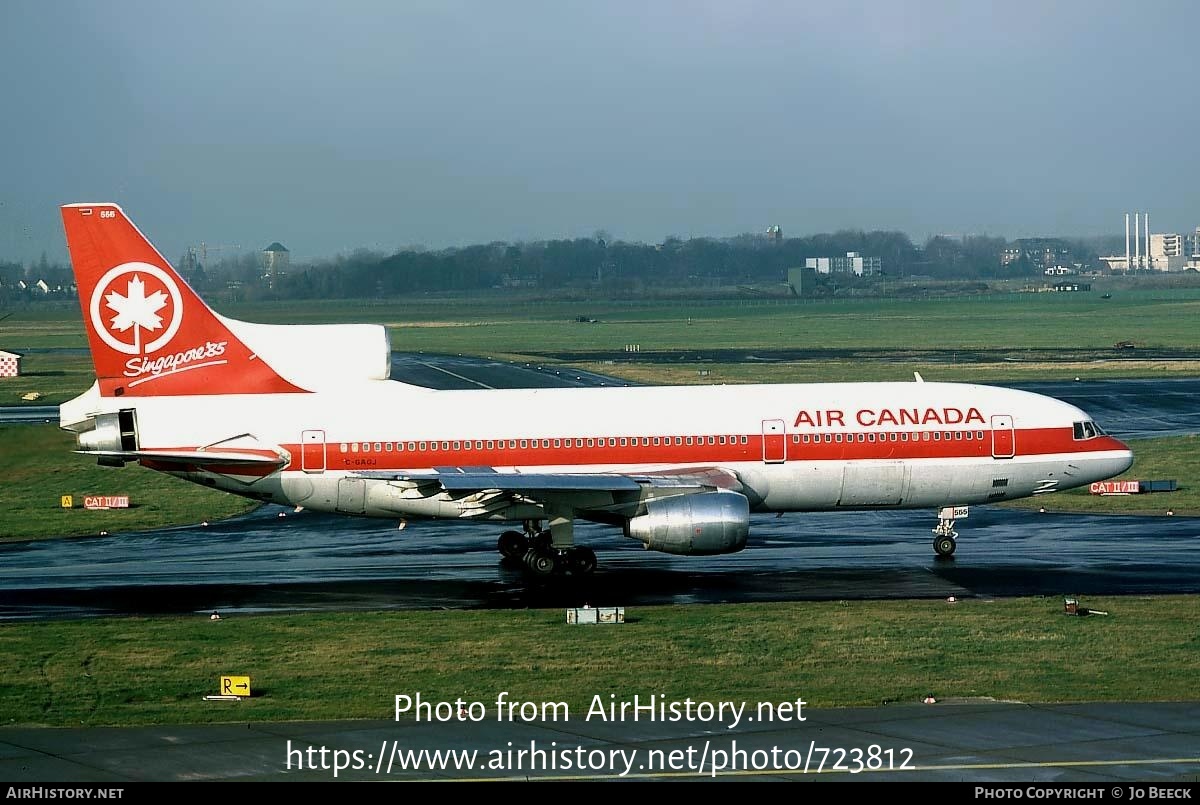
[[791, 447]]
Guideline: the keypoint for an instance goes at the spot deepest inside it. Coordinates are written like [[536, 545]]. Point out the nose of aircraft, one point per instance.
[[1114, 460]]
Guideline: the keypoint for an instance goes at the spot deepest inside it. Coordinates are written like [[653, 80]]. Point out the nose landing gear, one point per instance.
[[944, 535], [944, 545]]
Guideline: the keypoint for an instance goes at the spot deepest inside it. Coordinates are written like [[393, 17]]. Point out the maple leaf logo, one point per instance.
[[136, 310]]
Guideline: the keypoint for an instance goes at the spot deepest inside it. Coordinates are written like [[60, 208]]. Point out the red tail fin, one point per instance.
[[150, 334]]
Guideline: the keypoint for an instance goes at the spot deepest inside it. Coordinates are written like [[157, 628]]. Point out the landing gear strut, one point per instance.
[[542, 554]]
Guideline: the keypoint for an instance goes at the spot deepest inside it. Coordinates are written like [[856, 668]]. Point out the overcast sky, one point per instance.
[[330, 126]]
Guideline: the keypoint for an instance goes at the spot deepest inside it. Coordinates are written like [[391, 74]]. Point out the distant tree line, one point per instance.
[[617, 268], [623, 268]]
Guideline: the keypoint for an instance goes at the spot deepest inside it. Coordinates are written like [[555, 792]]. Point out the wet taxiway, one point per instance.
[[28, 414], [264, 562]]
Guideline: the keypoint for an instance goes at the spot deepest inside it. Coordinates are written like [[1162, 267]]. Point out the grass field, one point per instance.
[[884, 367], [1009, 320], [351, 665], [537, 331], [38, 467], [56, 378]]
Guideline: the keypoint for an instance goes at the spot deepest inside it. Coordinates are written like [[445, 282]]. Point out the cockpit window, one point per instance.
[[1087, 430]]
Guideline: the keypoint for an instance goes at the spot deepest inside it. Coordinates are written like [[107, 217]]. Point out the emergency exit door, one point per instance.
[[774, 441]]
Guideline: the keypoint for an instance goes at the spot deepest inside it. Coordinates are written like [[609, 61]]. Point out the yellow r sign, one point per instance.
[[235, 686]]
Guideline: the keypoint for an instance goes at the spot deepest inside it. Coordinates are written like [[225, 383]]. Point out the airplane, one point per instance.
[[306, 416]]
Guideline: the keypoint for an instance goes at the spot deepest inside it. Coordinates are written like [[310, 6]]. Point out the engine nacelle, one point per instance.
[[110, 433], [693, 525]]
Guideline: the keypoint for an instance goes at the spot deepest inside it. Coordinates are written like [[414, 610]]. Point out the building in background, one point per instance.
[[852, 263], [1166, 245], [1042, 252], [1144, 251], [775, 234], [802, 281], [1166, 252], [275, 260], [10, 364], [1193, 243]]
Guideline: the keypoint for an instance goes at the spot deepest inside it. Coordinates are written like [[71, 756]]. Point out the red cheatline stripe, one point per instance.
[[1034, 441]]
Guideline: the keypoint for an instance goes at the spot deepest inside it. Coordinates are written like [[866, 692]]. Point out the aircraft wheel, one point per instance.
[[583, 561], [944, 546], [512, 544], [539, 563]]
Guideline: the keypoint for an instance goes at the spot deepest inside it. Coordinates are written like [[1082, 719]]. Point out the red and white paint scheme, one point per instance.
[[306, 416]]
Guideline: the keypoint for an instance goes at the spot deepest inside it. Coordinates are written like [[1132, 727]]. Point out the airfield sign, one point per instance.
[[234, 686]]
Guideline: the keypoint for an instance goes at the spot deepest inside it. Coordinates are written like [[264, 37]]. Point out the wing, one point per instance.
[[486, 490]]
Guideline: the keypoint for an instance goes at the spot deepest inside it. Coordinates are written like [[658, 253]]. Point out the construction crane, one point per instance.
[[206, 248], [197, 257]]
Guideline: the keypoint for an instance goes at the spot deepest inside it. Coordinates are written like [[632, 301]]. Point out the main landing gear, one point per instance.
[[536, 550]]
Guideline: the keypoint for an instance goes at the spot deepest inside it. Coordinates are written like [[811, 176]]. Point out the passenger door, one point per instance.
[[312, 451], [1003, 440], [774, 441]]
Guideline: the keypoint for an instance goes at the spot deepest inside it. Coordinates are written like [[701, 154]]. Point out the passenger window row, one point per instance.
[[535, 444], [902, 436]]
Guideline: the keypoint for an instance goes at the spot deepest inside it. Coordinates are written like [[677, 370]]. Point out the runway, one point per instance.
[[267, 562]]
